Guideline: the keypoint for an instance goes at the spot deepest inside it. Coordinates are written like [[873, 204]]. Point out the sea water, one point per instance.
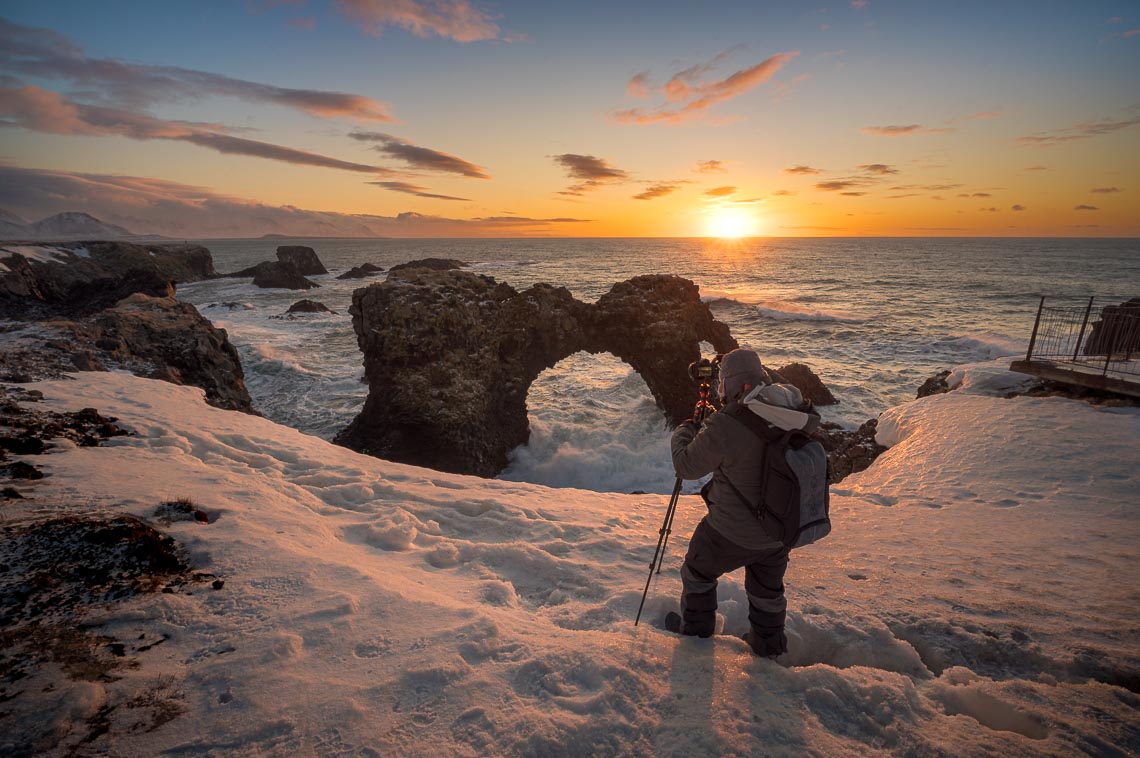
[[872, 317]]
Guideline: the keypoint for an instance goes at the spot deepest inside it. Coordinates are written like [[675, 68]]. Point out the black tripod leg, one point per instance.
[[662, 537]]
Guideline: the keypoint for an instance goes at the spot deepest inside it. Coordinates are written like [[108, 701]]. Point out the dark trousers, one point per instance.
[[711, 555]]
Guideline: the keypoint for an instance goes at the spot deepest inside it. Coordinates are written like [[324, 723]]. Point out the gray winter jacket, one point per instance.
[[727, 448]]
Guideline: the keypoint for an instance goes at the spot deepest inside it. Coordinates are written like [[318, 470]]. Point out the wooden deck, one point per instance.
[[1081, 375]]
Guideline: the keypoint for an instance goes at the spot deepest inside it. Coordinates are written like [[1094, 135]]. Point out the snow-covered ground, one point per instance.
[[978, 591]]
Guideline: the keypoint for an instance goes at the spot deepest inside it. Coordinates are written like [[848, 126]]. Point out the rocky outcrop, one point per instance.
[[81, 277], [361, 271], [280, 275], [161, 338], [1117, 330], [849, 452], [432, 264], [449, 357], [308, 306], [935, 385], [805, 380], [304, 258]]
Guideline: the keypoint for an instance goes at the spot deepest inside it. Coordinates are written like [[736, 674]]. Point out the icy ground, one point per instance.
[[977, 597]]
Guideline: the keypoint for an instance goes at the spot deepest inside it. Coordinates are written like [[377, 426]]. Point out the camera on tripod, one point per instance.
[[703, 371]]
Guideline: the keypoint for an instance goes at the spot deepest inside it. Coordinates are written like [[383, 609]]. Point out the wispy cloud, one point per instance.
[[839, 185], [638, 85], [156, 206], [592, 172], [44, 54], [783, 193], [1017, 207], [420, 157], [909, 130], [879, 168], [858, 4], [1036, 168], [660, 189], [412, 189], [687, 97], [1105, 190], [721, 191], [1130, 33], [1086, 208], [1082, 131], [454, 19], [803, 170], [42, 110], [711, 167]]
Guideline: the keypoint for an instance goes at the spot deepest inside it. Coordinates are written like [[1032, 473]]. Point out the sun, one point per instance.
[[731, 223]]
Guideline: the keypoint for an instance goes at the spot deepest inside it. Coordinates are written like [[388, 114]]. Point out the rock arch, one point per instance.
[[450, 355]]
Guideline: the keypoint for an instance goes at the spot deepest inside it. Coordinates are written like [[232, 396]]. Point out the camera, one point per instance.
[[703, 371]]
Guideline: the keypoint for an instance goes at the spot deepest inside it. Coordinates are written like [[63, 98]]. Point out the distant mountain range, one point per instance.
[[67, 225]]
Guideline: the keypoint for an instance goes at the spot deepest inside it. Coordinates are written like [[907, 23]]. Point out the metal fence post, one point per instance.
[[1036, 323], [1081, 336]]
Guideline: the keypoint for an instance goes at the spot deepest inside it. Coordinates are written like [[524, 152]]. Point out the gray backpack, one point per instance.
[[795, 501]]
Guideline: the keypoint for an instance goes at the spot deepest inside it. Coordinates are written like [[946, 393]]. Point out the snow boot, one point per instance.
[[674, 624], [770, 644]]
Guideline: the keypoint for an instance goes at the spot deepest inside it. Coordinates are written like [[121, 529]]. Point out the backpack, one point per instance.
[[795, 500]]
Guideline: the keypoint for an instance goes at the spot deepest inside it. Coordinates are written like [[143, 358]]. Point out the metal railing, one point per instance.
[[1104, 340]]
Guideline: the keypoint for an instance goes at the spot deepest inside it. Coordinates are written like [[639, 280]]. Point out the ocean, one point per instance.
[[872, 317]]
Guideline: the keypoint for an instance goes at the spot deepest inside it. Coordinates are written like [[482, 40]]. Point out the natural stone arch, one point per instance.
[[450, 355]]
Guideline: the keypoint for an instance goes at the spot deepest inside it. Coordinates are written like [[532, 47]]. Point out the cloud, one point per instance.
[[44, 54], [1105, 190], [721, 191], [1017, 207], [1082, 131], [592, 172], [988, 210], [687, 98], [815, 228], [901, 131], [658, 190], [1086, 208], [984, 115], [842, 185], [420, 157], [1130, 33], [904, 195], [853, 194], [1036, 168], [453, 19], [41, 110], [710, 167], [879, 168], [156, 206], [783, 193], [412, 189], [803, 170], [638, 85], [858, 4]]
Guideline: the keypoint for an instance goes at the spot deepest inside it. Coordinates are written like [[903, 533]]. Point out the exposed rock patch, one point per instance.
[[1117, 330], [304, 258], [849, 452], [935, 385], [449, 357]]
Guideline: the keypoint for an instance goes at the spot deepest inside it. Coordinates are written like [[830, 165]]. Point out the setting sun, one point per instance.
[[731, 223]]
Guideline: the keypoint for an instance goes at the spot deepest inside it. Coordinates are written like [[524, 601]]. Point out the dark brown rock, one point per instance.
[[849, 452], [280, 275], [1117, 331], [935, 385], [433, 264], [449, 357], [805, 380], [304, 258], [359, 272], [308, 306], [21, 470]]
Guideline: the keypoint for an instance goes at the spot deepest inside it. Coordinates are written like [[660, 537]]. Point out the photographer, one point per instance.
[[730, 536]]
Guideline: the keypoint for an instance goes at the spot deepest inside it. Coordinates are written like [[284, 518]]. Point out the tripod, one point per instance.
[[700, 413]]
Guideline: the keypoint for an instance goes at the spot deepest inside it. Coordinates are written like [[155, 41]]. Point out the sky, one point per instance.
[[454, 118]]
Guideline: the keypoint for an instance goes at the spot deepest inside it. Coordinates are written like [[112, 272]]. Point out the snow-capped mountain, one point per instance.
[[66, 225]]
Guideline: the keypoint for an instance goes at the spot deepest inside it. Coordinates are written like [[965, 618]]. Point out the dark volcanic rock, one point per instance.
[[359, 272], [82, 277], [433, 264], [308, 306], [280, 275], [849, 452], [449, 357], [935, 385], [304, 258], [806, 381], [1117, 331]]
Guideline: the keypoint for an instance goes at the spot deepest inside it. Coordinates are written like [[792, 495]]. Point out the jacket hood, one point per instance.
[[779, 405]]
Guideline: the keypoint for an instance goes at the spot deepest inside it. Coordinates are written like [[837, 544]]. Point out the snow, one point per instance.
[[42, 253], [976, 595]]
